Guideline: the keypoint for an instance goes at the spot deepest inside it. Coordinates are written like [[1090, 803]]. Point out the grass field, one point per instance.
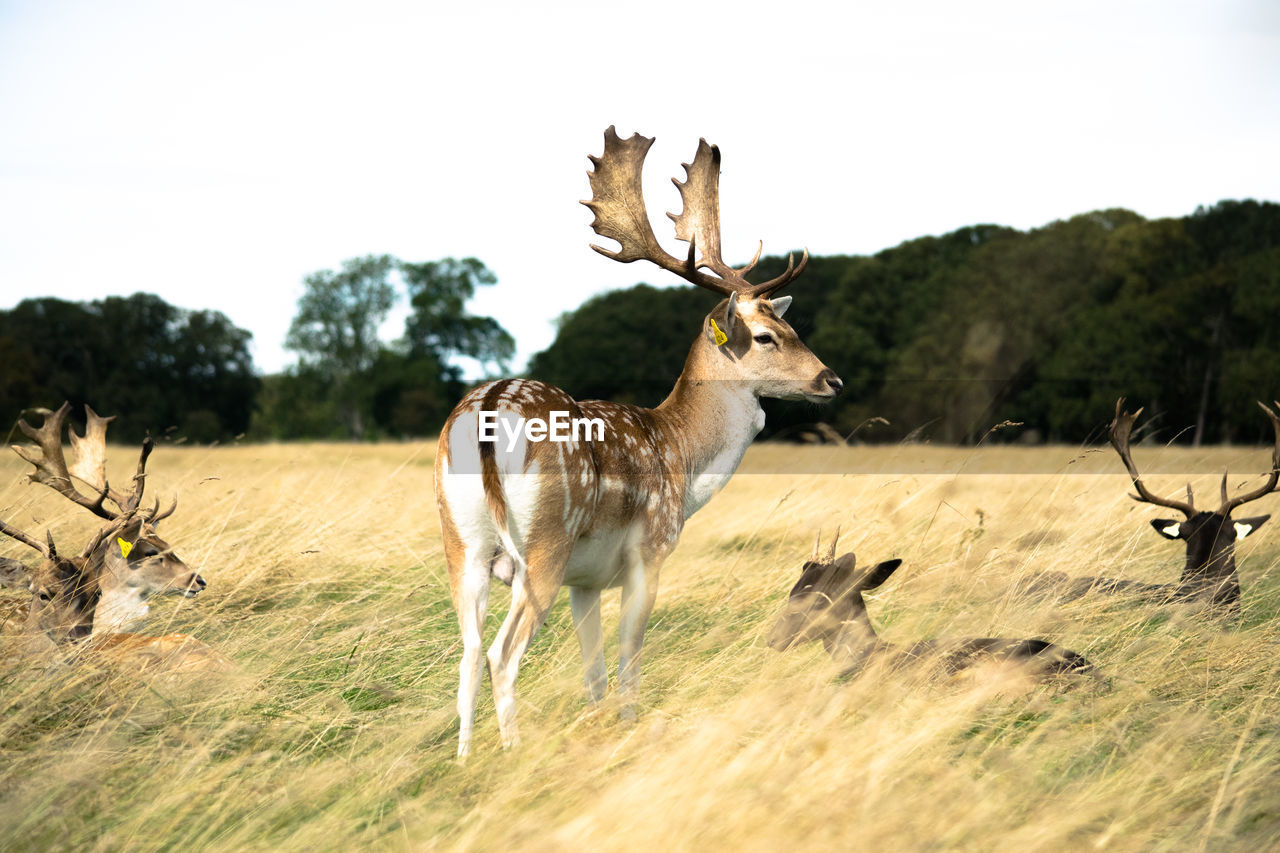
[[327, 586]]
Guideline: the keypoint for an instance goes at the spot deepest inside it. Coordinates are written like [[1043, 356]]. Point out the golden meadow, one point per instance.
[[327, 587]]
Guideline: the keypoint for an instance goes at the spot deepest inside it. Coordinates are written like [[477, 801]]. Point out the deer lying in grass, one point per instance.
[[606, 511], [134, 563], [67, 594], [107, 586], [826, 604], [1209, 575]]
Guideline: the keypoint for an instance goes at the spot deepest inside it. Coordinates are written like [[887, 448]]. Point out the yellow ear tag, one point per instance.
[[721, 337], [125, 547]]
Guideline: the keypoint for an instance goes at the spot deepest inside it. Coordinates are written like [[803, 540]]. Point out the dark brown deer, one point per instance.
[[826, 604], [64, 593], [606, 511], [134, 563], [1209, 575], [66, 597]]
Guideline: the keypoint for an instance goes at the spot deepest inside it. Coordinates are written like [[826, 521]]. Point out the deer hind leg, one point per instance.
[[472, 603], [586, 620], [537, 580]]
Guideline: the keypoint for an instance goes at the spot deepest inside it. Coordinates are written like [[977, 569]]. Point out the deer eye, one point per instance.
[[44, 595], [765, 338]]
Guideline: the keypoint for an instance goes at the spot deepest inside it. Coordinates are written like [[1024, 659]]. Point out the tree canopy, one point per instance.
[[156, 367], [946, 336]]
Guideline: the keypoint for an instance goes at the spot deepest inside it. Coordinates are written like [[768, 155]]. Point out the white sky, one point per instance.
[[216, 153]]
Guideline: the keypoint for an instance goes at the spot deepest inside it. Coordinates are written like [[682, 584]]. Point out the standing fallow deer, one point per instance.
[[134, 563], [826, 604], [1209, 575], [605, 511]]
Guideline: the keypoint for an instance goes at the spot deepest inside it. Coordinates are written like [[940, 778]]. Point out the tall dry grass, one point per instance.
[[327, 587]]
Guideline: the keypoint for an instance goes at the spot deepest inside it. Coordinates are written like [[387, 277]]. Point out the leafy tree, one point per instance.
[[346, 376], [335, 331], [439, 326]]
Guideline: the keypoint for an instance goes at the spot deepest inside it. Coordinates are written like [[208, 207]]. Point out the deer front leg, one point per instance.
[[639, 591], [586, 619]]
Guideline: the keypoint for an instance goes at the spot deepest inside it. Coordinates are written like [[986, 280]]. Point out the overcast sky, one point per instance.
[[216, 153]]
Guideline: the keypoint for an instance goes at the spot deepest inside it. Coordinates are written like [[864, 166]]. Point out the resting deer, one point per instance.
[[64, 593], [1209, 575], [596, 514], [134, 563], [826, 604], [67, 596]]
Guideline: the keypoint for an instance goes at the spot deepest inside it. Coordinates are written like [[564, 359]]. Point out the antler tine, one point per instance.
[[817, 543], [159, 516], [755, 259], [131, 504], [791, 273], [1273, 477], [617, 200], [51, 463], [14, 533], [831, 551], [1121, 427]]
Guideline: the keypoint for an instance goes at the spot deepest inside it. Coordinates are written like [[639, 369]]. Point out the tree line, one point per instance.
[[946, 336], [942, 337]]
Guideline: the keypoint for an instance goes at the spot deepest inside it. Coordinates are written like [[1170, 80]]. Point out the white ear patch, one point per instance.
[[780, 305], [1172, 530], [1243, 530]]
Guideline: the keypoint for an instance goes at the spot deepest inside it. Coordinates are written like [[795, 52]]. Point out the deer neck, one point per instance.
[[121, 606], [709, 420], [1211, 571], [855, 642]]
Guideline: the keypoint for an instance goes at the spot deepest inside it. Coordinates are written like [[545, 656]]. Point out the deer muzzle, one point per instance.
[[193, 586]]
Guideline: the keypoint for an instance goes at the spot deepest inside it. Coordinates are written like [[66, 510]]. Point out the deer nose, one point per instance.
[[832, 381], [197, 582]]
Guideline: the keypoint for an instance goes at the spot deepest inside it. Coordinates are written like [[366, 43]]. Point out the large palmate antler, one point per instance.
[[1228, 504], [89, 467], [618, 204], [1121, 426]]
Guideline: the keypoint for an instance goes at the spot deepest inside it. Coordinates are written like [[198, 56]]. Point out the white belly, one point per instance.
[[597, 560]]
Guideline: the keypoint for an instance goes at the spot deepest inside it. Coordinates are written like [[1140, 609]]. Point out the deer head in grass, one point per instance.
[[1210, 536]]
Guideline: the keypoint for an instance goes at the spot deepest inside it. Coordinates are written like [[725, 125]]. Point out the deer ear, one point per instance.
[[731, 314], [1245, 526], [879, 573], [780, 305], [1167, 527]]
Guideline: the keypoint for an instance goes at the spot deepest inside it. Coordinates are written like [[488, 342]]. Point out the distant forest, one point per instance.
[[941, 337]]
